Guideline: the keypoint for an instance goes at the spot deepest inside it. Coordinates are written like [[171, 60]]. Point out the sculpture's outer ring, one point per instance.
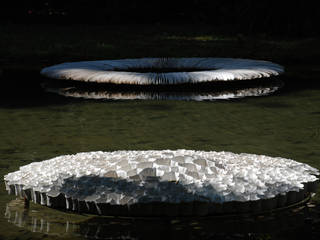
[[204, 70]]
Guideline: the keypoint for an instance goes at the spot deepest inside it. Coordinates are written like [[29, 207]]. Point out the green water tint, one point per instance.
[[49, 223], [286, 125]]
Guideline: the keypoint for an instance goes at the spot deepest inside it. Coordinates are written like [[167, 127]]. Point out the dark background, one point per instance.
[[38, 33], [275, 17]]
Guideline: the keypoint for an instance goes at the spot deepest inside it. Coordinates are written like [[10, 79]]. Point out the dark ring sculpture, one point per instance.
[[163, 71]]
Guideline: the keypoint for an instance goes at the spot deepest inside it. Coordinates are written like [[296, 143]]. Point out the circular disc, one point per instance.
[[153, 183]]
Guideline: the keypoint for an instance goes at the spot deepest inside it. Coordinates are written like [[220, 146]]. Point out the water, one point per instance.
[[35, 125]]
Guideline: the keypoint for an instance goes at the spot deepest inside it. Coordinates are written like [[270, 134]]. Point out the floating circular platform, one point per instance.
[[163, 71], [157, 183]]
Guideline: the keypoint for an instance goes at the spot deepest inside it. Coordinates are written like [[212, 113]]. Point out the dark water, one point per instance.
[[35, 125]]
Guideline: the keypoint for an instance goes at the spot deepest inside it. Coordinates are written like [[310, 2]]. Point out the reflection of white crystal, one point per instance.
[[171, 175]]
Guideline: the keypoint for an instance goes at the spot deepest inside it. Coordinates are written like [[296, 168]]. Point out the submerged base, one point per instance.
[[162, 209], [57, 223]]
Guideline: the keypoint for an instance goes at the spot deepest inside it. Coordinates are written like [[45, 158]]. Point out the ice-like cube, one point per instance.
[[200, 162], [111, 174], [163, 161], [145, 165], [170, 176], [189, 166], [150, 174], [179, 159]]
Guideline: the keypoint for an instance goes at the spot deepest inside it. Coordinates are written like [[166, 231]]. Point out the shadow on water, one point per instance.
[[25, 89], [208, 91], [153, 106], [273, 105], [315, 113], [297, 223]]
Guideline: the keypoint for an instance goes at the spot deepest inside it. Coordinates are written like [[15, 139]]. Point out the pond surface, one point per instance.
[[35, 126]]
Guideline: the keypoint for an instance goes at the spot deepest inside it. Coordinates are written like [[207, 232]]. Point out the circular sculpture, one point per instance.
[[156, 183], [163, 71]]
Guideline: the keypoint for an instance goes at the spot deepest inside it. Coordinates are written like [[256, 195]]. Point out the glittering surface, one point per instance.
[[128, 177], [118, 71]]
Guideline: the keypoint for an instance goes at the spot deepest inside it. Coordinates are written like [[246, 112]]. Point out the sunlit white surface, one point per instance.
[[126, 177]]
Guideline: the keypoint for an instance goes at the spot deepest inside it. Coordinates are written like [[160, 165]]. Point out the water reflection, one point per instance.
[[285, 223], [38, 221], [201, 92]]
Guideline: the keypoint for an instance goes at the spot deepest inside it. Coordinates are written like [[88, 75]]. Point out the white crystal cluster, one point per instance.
[[249, 92], [208, 69], [128, 177]]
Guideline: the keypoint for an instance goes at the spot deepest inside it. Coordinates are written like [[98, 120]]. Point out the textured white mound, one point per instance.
[[239, 93], [126, 177], [118, 71]]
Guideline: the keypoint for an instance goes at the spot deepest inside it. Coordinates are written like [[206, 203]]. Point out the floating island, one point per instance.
[[164, 183]]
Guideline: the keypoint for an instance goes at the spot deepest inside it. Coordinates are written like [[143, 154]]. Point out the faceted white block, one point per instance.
[[102, 182]]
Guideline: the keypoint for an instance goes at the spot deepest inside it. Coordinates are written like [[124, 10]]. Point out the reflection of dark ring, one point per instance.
[[148, 71], [197, 92]]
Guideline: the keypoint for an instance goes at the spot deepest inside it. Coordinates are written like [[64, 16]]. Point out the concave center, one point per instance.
[[161, 70]]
